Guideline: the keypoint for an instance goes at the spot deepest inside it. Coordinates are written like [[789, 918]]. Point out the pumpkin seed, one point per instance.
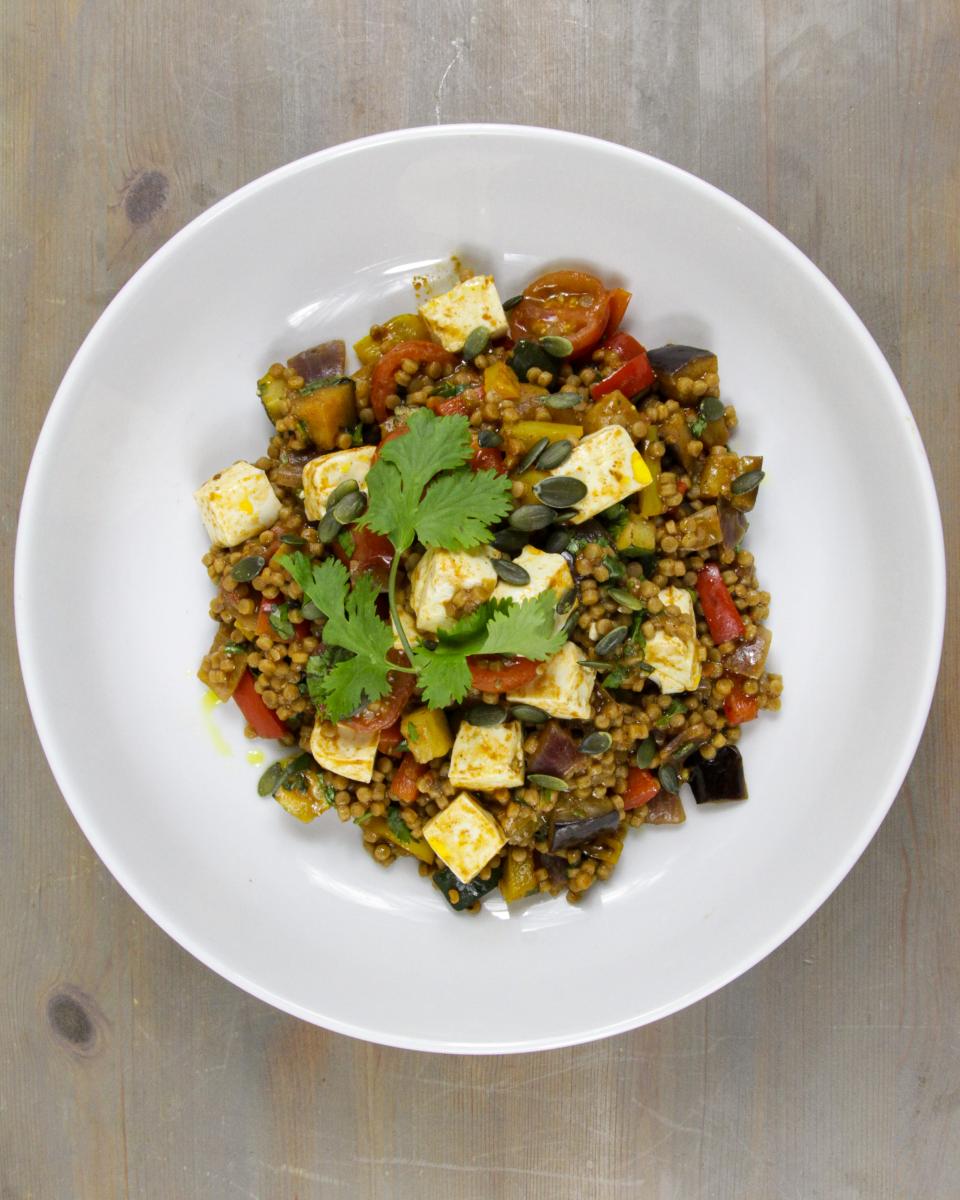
[[328, 528], [566, 514], [509, 540], [236, 648], [248, 568], [270, 779], [645, 667], [477, 341], [563, 400], [310, 611], [567, 600], [560, 491], [646, 752], [597, 742], [550, 782], [485, 714], [559, 347], [293, 539], [569, 623], [343, 488], [593, 664], [511, 303], [612, 640], [554, 455], [531, 516], [747, 482], [557, 540], [532, 455], [711, 408], [489, 437], [626, 599], [669, 779], [350, 507], [511, 572], [529, 714]]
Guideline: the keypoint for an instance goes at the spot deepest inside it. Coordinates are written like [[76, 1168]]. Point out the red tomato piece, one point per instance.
[[383, 713], [371, 552], [641, 787], [388, 437], [264, 721], [403, 785], [723, 619], [488, 458], [570, 304], [739, 707], [619, 300], [390, 738], [301, 629], [382, 382], [498, 673], [634, 377]]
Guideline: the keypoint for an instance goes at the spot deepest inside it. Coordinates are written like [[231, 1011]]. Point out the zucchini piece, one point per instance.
[[327, 411], [636, 536], [528, 433], [274, 396], [393, 829], [676, 433], [518, 879], [527, 354], [678, 368], [467, 893]]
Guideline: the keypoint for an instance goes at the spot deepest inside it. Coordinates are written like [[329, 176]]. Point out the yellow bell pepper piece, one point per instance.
[[415, 846], [500, 382], [407, 327], [529, 432], [518, 879], [427, 733]]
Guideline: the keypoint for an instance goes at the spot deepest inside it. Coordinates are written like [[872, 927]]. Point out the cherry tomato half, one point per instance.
[[496, 673], [382, 382], [570, 304], [382, 713]]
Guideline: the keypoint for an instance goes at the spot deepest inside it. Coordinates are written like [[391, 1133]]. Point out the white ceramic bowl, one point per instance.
[[112, 600]]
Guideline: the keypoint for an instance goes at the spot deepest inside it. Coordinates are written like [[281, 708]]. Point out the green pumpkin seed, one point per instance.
[[567, 514], [749, 481], [310, 611], [344, 488], [554, 455], [270, 779], [557, 540], [477, 341], [532, 455], [593, 664], [489, 437], [559, 347], [531, 516], [248, 568], [626, 599], [563, 400], [509, 540], [529, 714], [350, 507], [612, 640], [645, 667], [511, 572], [669, 779], [485, 715], [569, 623], [711, 408], [687, 749], [293, 539], [329, 528], [560, 491], [511, 303], [646, 752], [567, 600], [237, 648], [550, 782], [597, 742]]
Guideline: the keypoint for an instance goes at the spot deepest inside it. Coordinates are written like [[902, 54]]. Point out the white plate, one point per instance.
[[112, 601]]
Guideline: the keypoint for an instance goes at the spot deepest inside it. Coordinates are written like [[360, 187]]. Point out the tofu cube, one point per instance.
[[427, 734], [563, 687], [546, 571], [465, 836], [609, 465], [674, 658], [473, 304], [437, 578], [409, 626], [487, 757], [237, 504], [345, 751], [321, 475]]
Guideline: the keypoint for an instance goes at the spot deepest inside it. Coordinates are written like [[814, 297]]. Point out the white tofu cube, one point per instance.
[[487, 757], [345, 751], [437, 578], [409, 626], [473, 304], [674, 659], [465, 836], [609, 465], [237, 504], [546, 571], [321, 475], [563, 688]]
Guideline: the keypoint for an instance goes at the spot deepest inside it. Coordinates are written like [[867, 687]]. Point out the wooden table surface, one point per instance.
[[830, 1070]]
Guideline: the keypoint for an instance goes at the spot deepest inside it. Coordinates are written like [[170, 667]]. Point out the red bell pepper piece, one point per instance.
[[723, 619], [641, 787], [301, 629], [619, 299], [264, 721], [403, 785], [487, 458], [634, 377], [626, 345], [390, 738], [739, 707]]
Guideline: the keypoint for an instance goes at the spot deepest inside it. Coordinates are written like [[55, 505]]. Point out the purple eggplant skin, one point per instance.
[[320, 362], [733, 524], [555, 754], [718, 779], [573, 832]]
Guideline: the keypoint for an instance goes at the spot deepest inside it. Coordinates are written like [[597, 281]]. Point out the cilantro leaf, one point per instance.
[[528, 629], [398, 826], [467, 628], [280, 621], [444, 676], [457, 510]]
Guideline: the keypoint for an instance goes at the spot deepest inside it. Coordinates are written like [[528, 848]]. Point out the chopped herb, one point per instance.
[[236, 648], [347, 542], [446, 391], [398, 826], [280, 621], [356, 434], [325, 381], [615, 567], [698, 426], [675, 707]]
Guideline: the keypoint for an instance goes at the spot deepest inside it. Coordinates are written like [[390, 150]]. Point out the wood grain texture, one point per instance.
[[832, 1070]]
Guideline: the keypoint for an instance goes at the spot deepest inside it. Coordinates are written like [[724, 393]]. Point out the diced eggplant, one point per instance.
[[733, 524], [468, 893], [288, 472], [612, 409], [555, 867], [329, 358], [749, 658], [678, 368], [744, 501], [665, 809], [327, 411], [224, 688], [703, 528], [575, 830], [556, 752], [719, 778], [676, 433]]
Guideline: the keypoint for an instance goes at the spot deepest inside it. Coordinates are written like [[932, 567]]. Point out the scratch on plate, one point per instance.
[[458, 45]]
